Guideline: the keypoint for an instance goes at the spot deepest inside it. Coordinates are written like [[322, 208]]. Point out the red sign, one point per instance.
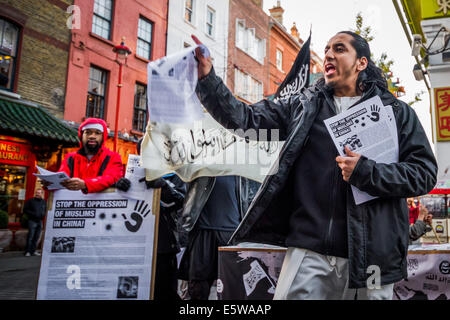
[[442, 102], [14, 153]]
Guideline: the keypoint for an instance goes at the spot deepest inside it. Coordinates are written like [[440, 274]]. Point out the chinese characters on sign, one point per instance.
[[431, 9], [442, 102], [444, 6]]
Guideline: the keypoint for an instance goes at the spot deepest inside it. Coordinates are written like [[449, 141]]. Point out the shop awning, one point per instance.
[[442, 186], [28, 119]]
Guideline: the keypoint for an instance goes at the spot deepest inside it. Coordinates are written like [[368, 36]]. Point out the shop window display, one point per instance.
[[12, 190], [436, 205]]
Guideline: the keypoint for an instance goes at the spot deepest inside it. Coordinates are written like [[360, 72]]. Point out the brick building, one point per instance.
[[34, 48], [284, 47], [38, 51], [93, 72], [247, 70]]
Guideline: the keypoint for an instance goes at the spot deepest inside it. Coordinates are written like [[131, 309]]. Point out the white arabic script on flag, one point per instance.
[[252, 278]]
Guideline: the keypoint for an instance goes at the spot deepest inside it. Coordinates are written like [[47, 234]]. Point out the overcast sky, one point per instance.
[[327, 17]]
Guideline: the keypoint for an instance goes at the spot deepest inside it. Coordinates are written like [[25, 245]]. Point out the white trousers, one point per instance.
[[307, 275]]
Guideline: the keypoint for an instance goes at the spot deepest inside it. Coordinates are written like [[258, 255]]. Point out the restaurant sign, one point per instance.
[[14, 153]]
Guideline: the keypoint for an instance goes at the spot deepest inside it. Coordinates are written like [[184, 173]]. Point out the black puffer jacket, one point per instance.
[[377, 230]]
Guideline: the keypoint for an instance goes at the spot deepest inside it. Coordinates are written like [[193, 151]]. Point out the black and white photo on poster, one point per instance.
[[63, 244], [127, 287]]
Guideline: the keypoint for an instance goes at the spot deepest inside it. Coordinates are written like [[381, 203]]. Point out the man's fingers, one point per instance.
[[340, 159], [349, 152], [196, 39], [198, 51]]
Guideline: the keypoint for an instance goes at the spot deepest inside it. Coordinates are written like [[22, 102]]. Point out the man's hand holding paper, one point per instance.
[[348, 163]]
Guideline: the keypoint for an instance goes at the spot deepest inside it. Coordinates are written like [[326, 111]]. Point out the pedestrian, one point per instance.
[[213, 208], [413, 211], [422, 224], [35, 209], [336, 249], [93, 167]]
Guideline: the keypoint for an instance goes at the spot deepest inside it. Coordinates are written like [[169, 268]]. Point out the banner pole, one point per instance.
[[155, 211]]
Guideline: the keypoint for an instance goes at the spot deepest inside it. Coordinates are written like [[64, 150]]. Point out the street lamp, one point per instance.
[[122, 53]]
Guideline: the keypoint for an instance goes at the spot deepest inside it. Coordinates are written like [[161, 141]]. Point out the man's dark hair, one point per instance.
[[372, 74]]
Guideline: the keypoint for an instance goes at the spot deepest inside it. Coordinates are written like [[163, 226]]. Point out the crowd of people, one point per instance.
[[306, 206]]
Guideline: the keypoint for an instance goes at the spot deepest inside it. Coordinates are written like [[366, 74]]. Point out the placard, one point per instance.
[[249, 271], [98, 246], [428, 277]]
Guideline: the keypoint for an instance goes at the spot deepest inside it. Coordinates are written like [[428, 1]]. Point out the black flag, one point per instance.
[[298, 76]]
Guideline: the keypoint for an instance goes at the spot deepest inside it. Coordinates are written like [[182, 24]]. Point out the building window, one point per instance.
[[96, 93], [240, 34], [144, 42], [101, 23], [247, 41], [9, 38], [210, 21], [140, 108], [246, 87], [189, 10], [279, 59]]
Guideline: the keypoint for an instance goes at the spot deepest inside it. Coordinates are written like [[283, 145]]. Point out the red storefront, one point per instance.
[[17, 163], [29, 136]]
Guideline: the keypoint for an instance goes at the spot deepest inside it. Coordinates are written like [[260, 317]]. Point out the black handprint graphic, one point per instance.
[[375, 115], [140, 212]]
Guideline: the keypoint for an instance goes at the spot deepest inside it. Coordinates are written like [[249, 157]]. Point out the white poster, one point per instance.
[[97, 246], [428, 278], [135, 173], [205, 148], [369, 129], [171, 87]]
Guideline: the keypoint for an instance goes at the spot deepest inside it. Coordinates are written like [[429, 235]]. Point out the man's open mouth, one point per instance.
[[329, 69]]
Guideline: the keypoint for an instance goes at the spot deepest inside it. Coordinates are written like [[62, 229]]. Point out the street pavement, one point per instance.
[[18, 276]]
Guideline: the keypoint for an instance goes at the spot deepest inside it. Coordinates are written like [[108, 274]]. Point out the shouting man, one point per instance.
[[336, 249]]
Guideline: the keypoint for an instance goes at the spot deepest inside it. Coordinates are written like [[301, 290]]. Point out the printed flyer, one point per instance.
[[97, 246]]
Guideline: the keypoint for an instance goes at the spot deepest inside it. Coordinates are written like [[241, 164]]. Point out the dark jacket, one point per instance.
[[172, 197], [378, 230], [198, 194], [418, 229], [35, 209]]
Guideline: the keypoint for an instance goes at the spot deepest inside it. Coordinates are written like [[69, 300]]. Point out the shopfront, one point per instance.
[[427, 27], [29, 136], [16, 166]]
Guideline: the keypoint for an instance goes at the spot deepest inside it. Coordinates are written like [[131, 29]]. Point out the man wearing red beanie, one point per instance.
[[93, 167]]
